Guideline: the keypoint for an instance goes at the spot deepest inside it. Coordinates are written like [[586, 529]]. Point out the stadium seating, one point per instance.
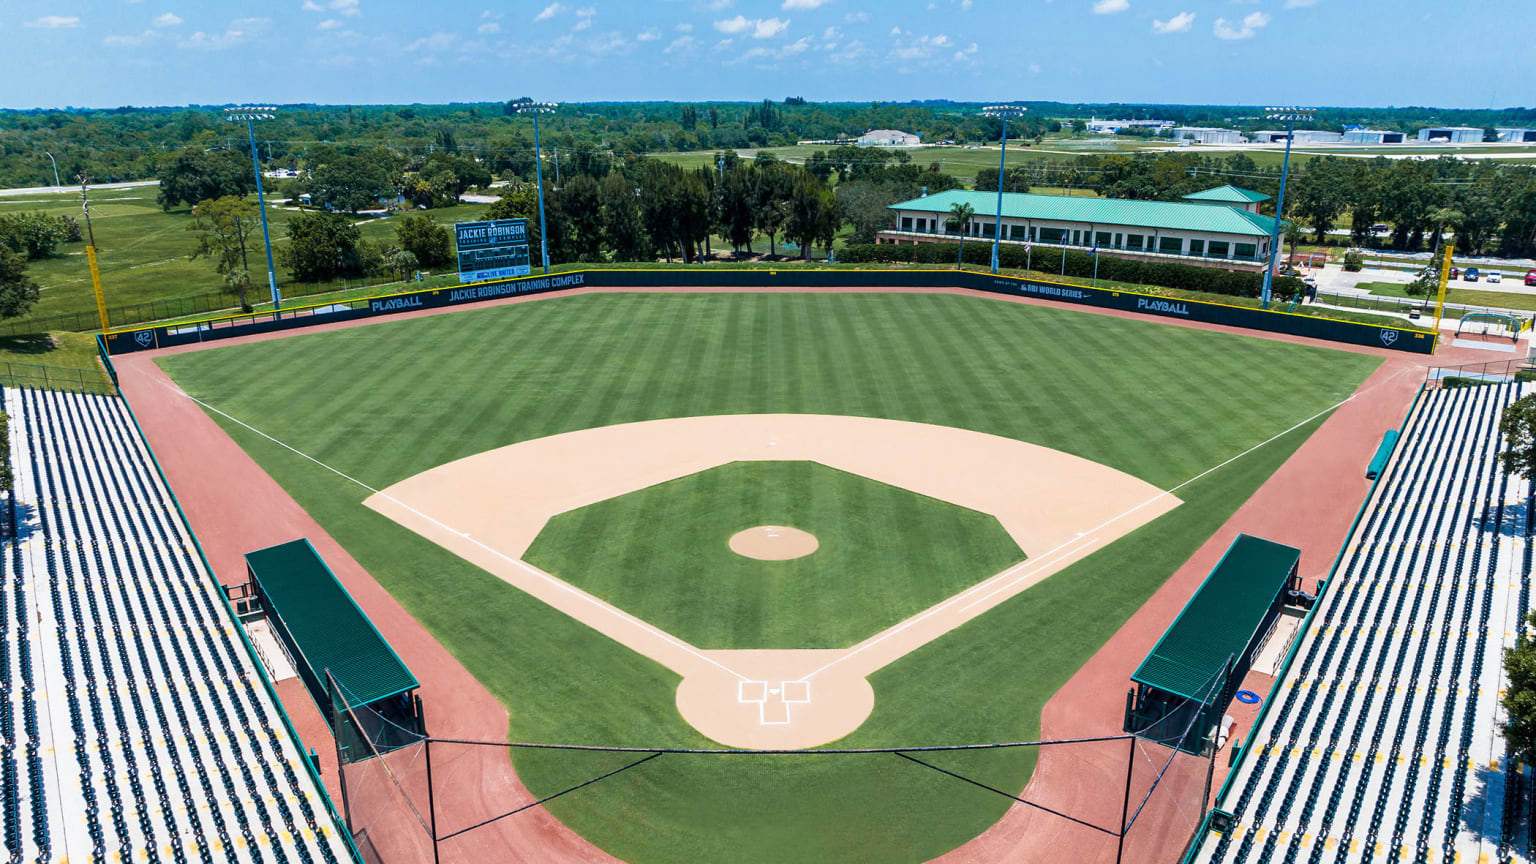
[[1380, 738], [166, 744]]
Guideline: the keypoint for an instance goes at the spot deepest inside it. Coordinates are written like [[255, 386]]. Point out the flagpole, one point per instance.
[[1095, 265]]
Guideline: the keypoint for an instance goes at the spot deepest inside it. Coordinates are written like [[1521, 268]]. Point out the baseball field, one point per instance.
[[1105, 406]]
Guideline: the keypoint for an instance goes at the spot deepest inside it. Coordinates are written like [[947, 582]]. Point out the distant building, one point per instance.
[[1209, 135], [1303, 136], [1218, 228], [888, 138], [1110, 127], [1517, 136], [1372, 136], [1452, 134]]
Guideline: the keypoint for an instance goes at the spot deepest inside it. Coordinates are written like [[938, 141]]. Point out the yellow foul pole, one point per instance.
[[1445, 275], [90, 255]]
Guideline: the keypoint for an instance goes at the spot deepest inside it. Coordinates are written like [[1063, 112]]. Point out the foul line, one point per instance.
[[869, 643], [522, 565]]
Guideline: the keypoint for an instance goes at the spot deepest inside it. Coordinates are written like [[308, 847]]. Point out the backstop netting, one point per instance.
[[1098, 800]]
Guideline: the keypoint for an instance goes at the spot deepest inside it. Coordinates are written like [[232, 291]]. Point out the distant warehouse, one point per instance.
[[1372, 136], [1517, 136], [1452, 134], [888, 138], [1303, 136], [1209, 135], [1218, 227]]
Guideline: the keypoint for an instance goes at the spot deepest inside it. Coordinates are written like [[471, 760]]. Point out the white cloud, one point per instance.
[[716, 5], [685, 27], [831, 33], [118, 40], [802, 4], [329, 24], [1034, 68], [1253, 22], [237, 32], [965, 5], [1299, 4], [1179, 23], [550, 11], [759, 28], [346, 7], [920, 48], [489, 27], [856, 17], [436, 42], [312, 6], [1110, 7], [681, 43], [582, 24], [169, 19], [55, 22]]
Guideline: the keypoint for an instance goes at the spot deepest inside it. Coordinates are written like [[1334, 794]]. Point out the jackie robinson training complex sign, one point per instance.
[[492, 250]]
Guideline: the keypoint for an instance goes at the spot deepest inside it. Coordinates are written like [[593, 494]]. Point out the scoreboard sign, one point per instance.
[[492, 250]]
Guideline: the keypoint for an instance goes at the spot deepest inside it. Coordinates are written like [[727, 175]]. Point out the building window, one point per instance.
[[1119, 241], [1219, 249], [1247, 251], [1170, 245], [1197, 247], [906, 223], [1133, 241], [1018, 232], [989, 229], [1053, 235], [1102, 238]]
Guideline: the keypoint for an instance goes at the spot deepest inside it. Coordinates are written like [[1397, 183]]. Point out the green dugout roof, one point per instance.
[[1220, 619], [1228, 194], [327, 626], [1105, 212]]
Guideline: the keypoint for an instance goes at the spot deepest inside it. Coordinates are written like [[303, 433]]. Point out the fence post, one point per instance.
[[1125, 806], [431, 803]]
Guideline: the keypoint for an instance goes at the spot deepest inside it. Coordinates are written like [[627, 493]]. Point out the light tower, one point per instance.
[[1290, 116], [537, 108], [249, 115], [1004, 112]]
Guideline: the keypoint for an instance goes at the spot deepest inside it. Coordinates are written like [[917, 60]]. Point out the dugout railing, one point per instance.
[[409, 803], [1137, 303]]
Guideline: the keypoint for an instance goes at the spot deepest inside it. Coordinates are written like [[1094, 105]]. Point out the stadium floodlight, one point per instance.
[[537, 108], [1290, 115], [1003, 112], [249, 115]]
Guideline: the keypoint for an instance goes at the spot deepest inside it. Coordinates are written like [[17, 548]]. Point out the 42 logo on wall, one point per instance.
[[145, 338], [1388, 337]]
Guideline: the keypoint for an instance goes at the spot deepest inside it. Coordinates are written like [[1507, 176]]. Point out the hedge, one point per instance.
[[1166, 274]]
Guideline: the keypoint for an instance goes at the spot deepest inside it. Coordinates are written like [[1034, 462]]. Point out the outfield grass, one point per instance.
[[1161, 402], [660, 553]]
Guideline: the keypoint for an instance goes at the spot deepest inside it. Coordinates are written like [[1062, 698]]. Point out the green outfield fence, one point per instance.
[[1149, 305]]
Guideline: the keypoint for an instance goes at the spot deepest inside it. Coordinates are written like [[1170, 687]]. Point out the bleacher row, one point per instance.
[[135, 727], [1381, 741]]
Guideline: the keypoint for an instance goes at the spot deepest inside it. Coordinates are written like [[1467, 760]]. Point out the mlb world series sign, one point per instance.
[[492, 250]]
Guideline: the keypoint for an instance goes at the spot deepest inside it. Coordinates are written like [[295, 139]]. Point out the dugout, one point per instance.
[[323, 631], [1229, 617]]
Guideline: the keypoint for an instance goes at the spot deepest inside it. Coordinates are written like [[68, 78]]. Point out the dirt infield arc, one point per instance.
[[488, 508]]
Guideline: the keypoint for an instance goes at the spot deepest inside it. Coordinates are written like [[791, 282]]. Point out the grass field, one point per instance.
[[660, 553], [1163, 403], [1456, 294], [143, 251]]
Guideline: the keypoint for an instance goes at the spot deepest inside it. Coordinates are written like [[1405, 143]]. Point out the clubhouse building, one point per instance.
[[1219, 227]]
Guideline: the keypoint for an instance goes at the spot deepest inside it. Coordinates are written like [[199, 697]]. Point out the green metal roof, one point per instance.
[[327, 625], [1228, 194], [1160, 215], [1220, 619]]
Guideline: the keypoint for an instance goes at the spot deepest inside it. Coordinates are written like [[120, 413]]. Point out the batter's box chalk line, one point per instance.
[[773, 702]]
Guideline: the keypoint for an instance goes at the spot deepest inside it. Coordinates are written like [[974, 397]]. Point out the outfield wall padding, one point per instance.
[[1269, 321]]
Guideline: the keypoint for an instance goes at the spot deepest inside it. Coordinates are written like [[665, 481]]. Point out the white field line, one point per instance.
[[520, 564]]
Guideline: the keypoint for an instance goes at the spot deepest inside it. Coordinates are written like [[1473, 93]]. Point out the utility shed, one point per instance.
[[323, 630], [1229, 617]]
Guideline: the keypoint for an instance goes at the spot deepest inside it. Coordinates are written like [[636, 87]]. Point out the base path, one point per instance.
[[488, 508]]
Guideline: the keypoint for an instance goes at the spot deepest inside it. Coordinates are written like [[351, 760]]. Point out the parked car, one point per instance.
[[1379, 229], [1530, 278], [1494, 276], [1470, 276], [1455, 271]]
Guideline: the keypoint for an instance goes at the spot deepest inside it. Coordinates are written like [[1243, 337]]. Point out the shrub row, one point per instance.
[[1166, 274]]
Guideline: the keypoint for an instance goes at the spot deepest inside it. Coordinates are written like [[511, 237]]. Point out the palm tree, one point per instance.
[[960, 221]]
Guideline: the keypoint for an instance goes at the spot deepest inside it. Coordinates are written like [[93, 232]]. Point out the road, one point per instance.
[[53, 190]]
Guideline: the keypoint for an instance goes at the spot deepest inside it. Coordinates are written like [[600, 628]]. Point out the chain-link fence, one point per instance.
[[55, 378]]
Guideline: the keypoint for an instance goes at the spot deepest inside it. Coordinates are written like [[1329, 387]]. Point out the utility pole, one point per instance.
[[250, 116], [1290, 115], [537, 108], [56, 183], [1003, 112], [90, 252]]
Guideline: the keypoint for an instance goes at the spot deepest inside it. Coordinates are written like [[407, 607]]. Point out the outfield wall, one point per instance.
[[1270, 321]]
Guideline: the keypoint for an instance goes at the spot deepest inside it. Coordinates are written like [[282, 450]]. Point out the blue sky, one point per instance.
[[1324, 52]]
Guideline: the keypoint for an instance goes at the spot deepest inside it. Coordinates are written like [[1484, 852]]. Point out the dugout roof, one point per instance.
[[1221, 618], [327, 628]]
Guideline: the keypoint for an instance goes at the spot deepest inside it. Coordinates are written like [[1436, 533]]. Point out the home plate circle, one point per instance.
[[773, 543]]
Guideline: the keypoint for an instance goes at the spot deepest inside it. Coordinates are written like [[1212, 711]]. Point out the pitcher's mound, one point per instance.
[[773, 543]]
